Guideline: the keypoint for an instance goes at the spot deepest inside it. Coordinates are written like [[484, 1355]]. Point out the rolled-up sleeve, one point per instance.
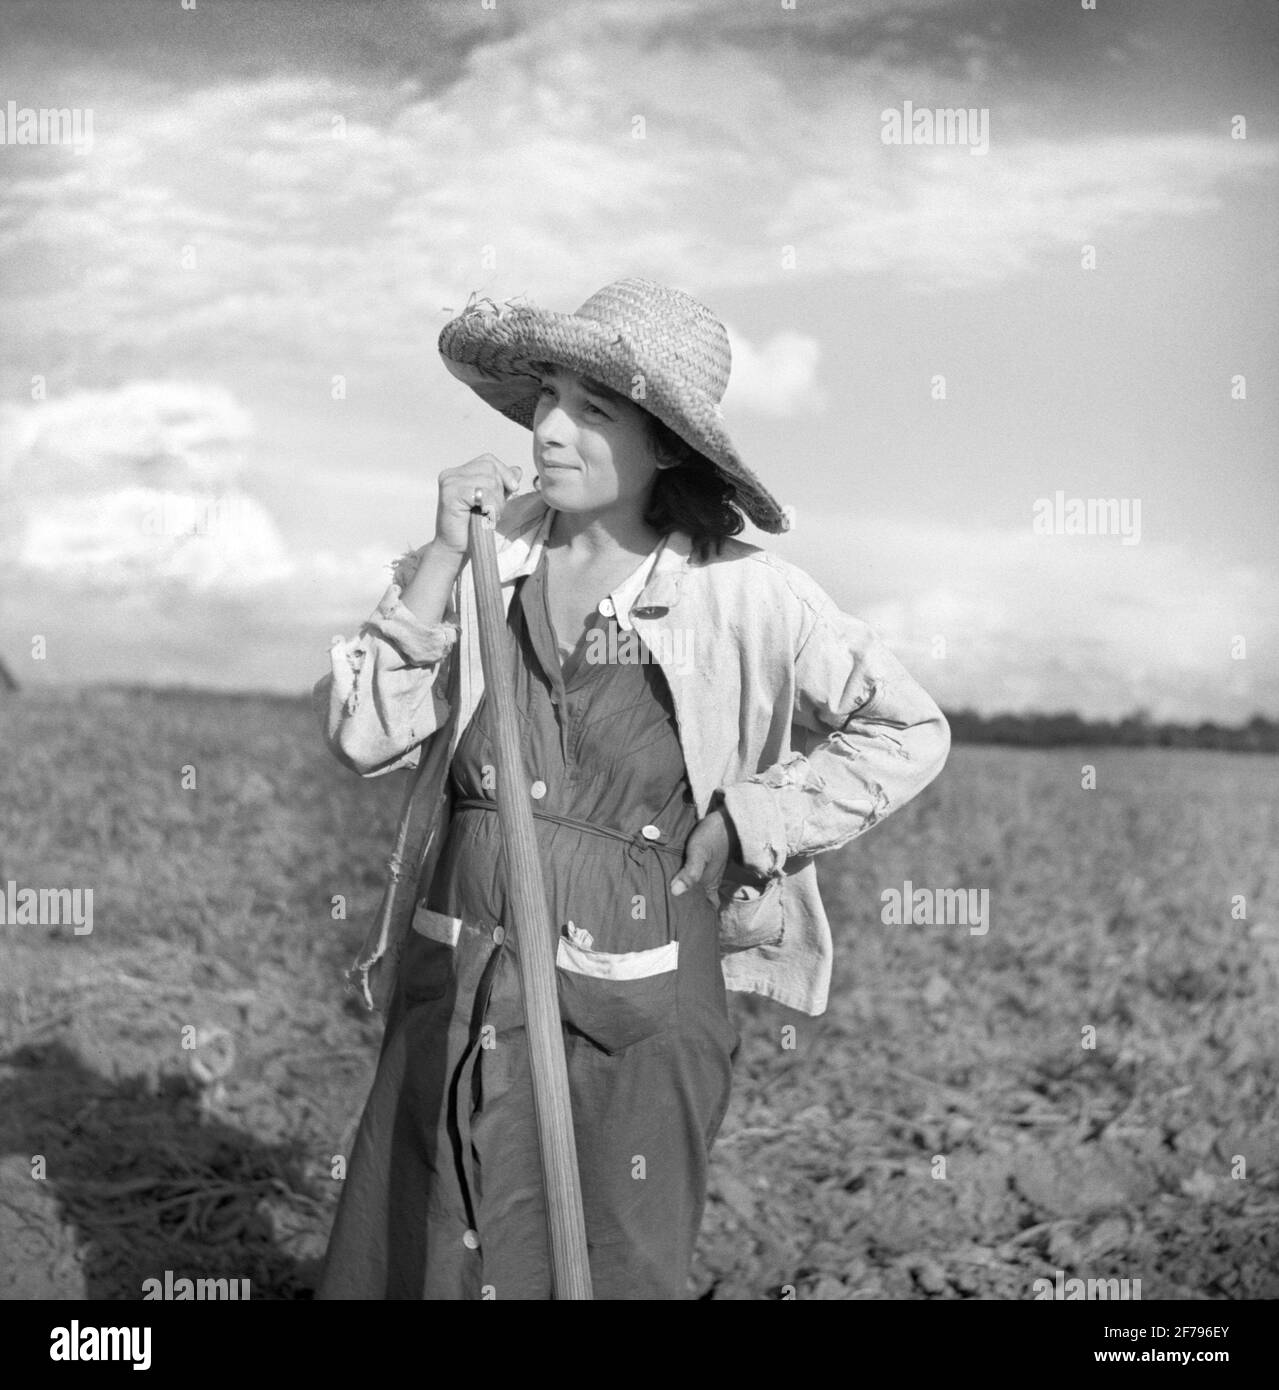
[[884, 740], [383, 696]]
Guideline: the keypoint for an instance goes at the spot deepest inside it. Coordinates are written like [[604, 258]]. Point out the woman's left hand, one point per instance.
[[711, 844]]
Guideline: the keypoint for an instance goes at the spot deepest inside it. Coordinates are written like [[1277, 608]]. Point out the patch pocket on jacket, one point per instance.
[[750, 913], [430, 954], [617, 1000]]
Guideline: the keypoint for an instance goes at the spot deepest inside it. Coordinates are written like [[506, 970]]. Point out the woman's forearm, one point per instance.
[[427, 594]]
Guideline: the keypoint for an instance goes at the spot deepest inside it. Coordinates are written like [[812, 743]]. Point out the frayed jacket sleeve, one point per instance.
[[882, 740], [383, 697]]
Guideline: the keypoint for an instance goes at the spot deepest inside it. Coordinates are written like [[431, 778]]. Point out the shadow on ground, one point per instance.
[[138, 1179]]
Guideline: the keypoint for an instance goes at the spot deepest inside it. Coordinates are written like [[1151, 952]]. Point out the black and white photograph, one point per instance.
[[639, 661]]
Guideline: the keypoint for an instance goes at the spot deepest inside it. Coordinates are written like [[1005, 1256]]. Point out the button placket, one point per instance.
[[571, 727]]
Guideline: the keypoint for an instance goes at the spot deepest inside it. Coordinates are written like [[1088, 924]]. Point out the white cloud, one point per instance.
[[154, 432], [775, 379], [140, 537], [524, 176], [944, 218], [1052, 622], [135, 486]]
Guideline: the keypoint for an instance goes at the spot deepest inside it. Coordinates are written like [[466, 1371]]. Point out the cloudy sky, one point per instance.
[[275, 197]]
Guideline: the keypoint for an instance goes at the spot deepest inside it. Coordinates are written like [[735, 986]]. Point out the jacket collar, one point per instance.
[[654, 588]]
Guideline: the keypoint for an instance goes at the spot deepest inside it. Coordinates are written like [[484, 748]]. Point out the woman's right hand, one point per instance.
[[485, 474]]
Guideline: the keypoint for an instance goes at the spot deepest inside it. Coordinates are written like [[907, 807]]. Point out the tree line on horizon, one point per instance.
[[1033, 729], [1138, 730]]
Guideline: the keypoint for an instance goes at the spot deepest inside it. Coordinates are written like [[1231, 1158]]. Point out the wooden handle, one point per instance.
[[534, 935]]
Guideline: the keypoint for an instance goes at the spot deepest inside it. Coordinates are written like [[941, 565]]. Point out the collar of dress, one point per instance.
[[653, 585]]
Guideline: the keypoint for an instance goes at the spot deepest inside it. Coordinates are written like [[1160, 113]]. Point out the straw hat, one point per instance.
[[655, 345]]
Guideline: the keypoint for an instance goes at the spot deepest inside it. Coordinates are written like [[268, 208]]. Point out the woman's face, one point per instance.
[[591, 446]]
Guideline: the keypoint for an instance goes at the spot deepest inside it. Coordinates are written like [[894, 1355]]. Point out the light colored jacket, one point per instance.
[[799, 714]]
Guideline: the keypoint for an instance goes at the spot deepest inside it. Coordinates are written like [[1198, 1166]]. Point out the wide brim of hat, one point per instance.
[[492, 348]]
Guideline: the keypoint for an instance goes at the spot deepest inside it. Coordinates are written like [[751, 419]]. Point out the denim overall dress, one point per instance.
[[443, 1196]]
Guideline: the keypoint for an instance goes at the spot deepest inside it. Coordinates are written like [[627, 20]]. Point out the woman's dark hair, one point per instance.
[[691, 494]]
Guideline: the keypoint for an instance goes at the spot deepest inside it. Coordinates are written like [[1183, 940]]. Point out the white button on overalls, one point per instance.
[[606, 607], [538, 790], [499, 934], [471, 1240], [651, 832]]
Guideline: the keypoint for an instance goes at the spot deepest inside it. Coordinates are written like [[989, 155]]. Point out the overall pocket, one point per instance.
[[616, 1000], [430, 955]]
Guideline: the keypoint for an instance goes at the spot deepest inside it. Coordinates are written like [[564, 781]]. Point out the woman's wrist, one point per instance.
[[716, 807]]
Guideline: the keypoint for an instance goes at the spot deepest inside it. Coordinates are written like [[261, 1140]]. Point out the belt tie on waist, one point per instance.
[[635, 839]]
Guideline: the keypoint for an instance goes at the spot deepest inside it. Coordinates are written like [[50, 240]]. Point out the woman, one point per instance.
[[696, 715]]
